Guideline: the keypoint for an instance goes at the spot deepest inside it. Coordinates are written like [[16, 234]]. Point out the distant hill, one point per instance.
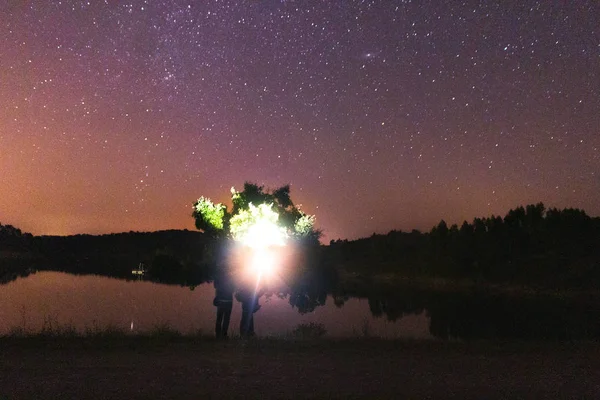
[[13, 241], [17, 253], [531, 246], [117, 254], [170, 255]]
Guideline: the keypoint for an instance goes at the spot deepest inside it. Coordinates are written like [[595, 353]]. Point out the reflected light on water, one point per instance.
[[93, 302]]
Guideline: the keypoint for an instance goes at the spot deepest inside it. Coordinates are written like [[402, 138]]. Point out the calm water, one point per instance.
[[87, 302]]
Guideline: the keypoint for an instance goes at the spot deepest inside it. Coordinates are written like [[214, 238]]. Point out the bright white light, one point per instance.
[[263, 262], [258, 231], [262, 235], [257, 227]]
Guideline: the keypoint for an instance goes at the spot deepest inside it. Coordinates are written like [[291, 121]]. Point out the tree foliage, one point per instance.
[[530, 245], [218, 221], [209, 217]]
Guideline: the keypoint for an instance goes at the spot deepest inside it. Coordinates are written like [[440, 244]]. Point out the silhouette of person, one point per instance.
[[250, 305], [224, 302]]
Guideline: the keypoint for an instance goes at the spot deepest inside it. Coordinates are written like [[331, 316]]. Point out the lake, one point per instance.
[[84, 302], [90, 302]]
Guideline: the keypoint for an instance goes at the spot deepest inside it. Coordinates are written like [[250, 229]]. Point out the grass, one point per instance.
[[310, 330], [163, 333], [51, 330], [113, 338], [100, 362], [309, 335]]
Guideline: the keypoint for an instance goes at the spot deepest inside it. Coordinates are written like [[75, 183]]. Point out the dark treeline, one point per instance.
[[16, 253], [13, 241], [172, 256], [530, 246]]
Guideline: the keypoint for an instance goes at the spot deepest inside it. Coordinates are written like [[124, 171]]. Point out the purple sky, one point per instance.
[[380, 114]]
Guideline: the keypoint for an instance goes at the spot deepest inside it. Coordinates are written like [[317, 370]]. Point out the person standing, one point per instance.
[[224, 303], [249, 300]]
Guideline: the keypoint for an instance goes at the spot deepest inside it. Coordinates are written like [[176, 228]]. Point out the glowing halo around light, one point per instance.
[[257, 229], [263, 264], [263, 234]]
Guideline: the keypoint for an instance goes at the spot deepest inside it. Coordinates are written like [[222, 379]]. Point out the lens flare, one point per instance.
[[263, 234], [262, 262], [258, 231], [257, 227]]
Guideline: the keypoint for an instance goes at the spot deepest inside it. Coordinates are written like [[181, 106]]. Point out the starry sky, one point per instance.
[[116, 116]]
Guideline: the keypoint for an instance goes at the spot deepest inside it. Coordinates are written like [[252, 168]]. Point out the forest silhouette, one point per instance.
[[532, 245], [498, 275], [529, 246]]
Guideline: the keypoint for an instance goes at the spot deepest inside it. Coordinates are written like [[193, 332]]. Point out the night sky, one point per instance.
[[116, 116]]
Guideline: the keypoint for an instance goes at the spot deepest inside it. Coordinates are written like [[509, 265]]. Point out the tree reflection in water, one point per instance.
[[467, 314], [479, 315], [12, 271]]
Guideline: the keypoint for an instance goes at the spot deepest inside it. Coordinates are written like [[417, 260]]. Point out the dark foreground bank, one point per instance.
[[129, 368]]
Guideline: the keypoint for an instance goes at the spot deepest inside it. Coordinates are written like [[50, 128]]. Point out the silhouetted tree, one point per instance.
[[215, 219], [529, 245]]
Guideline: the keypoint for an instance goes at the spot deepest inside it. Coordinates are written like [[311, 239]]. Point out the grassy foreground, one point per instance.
[[182, 367]]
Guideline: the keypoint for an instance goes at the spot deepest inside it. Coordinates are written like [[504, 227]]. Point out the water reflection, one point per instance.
[[481, 315], [86, 301], [11, 270]]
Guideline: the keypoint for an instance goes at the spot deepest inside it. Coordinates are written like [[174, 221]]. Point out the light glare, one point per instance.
[[257, 227]]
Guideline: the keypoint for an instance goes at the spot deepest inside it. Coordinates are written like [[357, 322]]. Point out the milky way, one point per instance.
[[380, 114]]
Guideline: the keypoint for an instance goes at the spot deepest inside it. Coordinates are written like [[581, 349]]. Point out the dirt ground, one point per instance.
[[359, 368]]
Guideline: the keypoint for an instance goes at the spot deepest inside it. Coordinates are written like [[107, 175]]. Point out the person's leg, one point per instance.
[[251, 325], [226, 318], [244, 323], [218, 326]]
